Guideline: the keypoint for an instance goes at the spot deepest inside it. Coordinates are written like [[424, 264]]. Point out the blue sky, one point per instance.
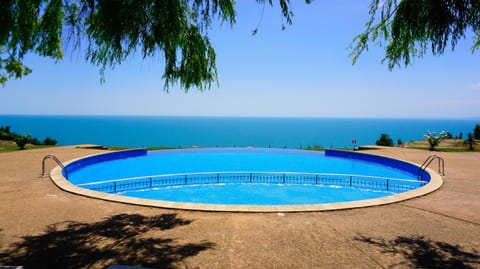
[[303, 71]]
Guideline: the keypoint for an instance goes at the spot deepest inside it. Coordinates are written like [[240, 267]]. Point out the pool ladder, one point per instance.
[[53, 157], [428, 161]]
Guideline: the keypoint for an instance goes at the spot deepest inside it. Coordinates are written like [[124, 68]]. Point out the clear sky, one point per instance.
[[303, 71]]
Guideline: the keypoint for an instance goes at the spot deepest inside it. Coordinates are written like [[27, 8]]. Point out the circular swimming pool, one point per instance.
[[245, 179]]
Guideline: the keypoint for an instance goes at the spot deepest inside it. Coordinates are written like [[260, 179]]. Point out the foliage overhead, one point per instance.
[[409, 28], [115, 29], [176, 31]]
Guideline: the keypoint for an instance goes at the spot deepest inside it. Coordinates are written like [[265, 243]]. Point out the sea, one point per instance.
[[183, 131]]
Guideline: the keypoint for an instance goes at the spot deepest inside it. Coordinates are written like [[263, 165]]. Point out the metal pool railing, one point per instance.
[[344, 180]]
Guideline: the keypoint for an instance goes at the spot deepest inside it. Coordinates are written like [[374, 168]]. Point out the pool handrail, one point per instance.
[[428, 161], [245, 172], [249, 177], [53, 157]]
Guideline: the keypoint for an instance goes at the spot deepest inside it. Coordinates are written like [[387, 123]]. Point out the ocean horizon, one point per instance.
[[213, 131]]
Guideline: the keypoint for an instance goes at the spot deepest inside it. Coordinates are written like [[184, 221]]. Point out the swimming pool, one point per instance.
[[244, 179]]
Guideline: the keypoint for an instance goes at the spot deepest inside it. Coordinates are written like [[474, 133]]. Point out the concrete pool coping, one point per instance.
[[59, 180]]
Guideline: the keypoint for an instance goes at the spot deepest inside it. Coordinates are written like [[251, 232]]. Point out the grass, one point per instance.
[[447, 145], [148, 148], [10, 146], [315, 148], [477, 149]]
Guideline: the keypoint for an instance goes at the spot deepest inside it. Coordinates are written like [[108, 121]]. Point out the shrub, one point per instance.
[[23, 140], [35, 141], [5, 129], [50, 141], [5, 133], [399, 142], [433, 139], [470, 141], [476, 132], [384, 140]]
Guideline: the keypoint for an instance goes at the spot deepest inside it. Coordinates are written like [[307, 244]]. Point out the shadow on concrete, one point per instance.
[[425, 253], [128, 239], [1, 230]]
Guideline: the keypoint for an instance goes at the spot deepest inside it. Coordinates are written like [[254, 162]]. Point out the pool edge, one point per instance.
[[61, 182]]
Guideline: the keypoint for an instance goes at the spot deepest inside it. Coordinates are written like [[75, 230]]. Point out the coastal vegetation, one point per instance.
[[433, 139], [447, 145], [476, 132], [445, 141], [470, 141], [315, 148], [9, 139], [384, 140]]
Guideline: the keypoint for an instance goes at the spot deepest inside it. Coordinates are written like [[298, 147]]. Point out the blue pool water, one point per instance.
[[222, 160], [221, 176], [259, 194]]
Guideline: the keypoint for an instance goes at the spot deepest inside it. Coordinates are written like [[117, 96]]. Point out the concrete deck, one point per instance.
[[42, 226]]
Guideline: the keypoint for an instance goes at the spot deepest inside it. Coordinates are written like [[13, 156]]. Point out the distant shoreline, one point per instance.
[[182, 131], [448, 145], [446, 118]]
